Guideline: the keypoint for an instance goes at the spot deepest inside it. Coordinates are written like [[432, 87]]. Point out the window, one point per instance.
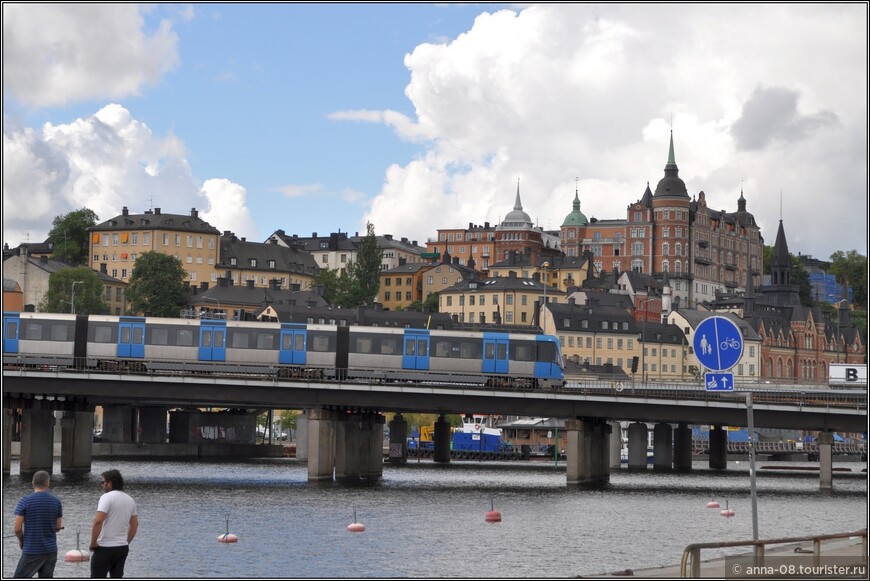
[[134, 238], [189, 241], [114, 239], [252, 263]]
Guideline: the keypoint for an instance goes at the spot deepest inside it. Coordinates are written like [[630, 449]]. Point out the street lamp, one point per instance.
[[645, 303], [218, 305], [544, 266], [72, 302]]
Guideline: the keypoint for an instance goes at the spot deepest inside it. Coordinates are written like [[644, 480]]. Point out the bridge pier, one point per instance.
[[152, 425], [615, 445], [825, 441], [76, 441], [37, 438], [441, 439], [683, 448], [718, 448], [398, 440], [638, 442], [118, 424], [8, 420], [587, 451], [321, 444], [663, 447], [302, 436], [359, 446]]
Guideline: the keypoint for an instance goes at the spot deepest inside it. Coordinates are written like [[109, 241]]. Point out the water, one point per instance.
[[424, 520]]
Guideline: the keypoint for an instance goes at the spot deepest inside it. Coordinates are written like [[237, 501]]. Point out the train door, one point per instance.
[[416, 353], [131, 337], [293, 343], [11, 325], [495, 353], [213, 340]]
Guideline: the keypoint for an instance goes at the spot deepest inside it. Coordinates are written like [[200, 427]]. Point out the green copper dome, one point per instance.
[[576, 217]]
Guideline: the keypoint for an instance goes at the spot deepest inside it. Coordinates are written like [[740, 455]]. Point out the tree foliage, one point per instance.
[[156, 285], [87, 298], [69, 234], [850, 268], [358, 284]]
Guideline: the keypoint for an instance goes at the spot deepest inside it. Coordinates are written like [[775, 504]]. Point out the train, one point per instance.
[[134, 344]]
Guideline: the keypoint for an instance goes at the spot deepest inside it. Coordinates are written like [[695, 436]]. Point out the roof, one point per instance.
[[287, 259], [156, 220]]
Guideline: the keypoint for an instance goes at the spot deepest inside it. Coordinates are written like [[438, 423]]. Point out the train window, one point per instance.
[[159, 337], [205, 339], [33, 331], [389, 346], [363, 345], [103, 334], [10, 330], [125, 334], [410, 347], [490, 351], [239, 340], [59, 332], [470, 350], [422, 348], [502, 351], [265, 341], [546, 352], [137, 335], [184, 337], [442, 349], [523, 352], [319, 342]]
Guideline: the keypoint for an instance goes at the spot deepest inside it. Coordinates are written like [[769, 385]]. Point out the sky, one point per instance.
[[414, 117]]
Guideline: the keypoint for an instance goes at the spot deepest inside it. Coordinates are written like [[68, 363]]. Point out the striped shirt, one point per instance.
[[40, 511]]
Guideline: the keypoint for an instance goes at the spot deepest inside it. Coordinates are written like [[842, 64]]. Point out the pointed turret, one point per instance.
[[646, 198], [671, 186]]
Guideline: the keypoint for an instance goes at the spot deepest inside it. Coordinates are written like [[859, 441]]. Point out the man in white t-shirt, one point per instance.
[[114, 527]]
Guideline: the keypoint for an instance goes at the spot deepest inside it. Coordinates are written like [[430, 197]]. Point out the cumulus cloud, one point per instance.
[[104, 162], [55, 54], [554, 92], [771, 113]]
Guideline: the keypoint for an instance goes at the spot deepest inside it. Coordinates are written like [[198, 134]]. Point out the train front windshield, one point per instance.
[[550, 352]]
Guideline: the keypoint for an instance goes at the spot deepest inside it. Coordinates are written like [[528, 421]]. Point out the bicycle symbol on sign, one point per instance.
[[730, 343]]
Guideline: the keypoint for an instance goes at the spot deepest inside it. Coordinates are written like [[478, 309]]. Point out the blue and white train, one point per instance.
[[285, 350]]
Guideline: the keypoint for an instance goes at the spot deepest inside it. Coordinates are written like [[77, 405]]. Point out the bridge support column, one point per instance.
[[8, 419], [683, 448], [663, 447], [615, 445], [718, 448], [638, 442], [347, 447], [321, 444], [398, 440], [118, 424], [374, 468], [587, 445], [302, 436], [152, 424], [76, 441], [826, 442], [441, 439], [37, 439]]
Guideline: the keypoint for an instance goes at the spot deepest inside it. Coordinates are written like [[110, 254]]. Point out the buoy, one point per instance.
[[78, 554], [727, 511], [712, 504], [492, 515], [228, 537], [355, 527]]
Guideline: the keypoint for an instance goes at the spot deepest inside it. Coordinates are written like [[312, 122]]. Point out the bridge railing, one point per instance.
[[702, 446]]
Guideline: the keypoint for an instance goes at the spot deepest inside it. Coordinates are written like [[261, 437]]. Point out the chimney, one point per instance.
[[388, 236], [243, 238], [124, 211], [156, 211], [471, 263], [43, 260], [203, 285], [294, 287], [314, 234], [103, 269], [194, 213], [402, 261], [250, 283], [223, 282], [414, 242], [486, 225], [456, 260]]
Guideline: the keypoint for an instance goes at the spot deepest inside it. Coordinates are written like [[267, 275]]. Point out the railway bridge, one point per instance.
[[342, 427]]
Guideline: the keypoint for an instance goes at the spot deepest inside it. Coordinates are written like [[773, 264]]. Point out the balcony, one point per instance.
[[703, 244], [703, 260], [730, 266]]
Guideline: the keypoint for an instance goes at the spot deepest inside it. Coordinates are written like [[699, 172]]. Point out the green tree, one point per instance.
[[850, 268], [156, 285], [366, 270], [328, 279], [69, 234], [83, 298]]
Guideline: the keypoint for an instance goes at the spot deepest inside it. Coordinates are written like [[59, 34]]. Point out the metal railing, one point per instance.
[[691, 559]]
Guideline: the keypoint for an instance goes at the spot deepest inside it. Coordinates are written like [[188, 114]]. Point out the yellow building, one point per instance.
[[118, 242], [559, 272], [507, 300]]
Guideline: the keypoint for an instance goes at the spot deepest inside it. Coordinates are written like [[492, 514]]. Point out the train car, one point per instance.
[[288, 350]]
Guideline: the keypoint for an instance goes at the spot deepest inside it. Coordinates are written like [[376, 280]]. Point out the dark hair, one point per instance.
[[115, 478]]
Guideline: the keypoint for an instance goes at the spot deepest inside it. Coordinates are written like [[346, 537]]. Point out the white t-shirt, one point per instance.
[[119, 508]]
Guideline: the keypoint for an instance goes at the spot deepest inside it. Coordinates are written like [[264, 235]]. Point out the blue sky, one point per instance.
[[320, 117]]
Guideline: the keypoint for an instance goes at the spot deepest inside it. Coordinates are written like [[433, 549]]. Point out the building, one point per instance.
[[508, 300], [243, 261], [118, 242], [338, 249], [33, 275], [408, 283], [824, 284], [475, 243], [702, 250], [13, 298], [558, 272]]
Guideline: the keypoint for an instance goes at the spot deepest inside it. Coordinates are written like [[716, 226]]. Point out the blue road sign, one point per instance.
[[718, 343], [719, 381]]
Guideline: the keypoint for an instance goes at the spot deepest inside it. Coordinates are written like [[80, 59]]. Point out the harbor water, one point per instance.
[[426, 520]]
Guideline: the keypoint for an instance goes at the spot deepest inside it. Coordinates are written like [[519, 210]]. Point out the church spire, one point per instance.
[[671, 159], [518, 205]]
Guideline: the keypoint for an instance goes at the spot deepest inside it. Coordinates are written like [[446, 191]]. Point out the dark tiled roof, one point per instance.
[[157, 220], [287, 259]]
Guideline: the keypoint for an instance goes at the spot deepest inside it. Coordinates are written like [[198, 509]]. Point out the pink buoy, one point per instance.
[[712, 504], [228, 538], [492, 515], [727, 512], [355, 527], [76, 556]]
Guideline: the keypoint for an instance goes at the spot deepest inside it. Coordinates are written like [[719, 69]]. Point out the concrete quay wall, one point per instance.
[[175, 450]]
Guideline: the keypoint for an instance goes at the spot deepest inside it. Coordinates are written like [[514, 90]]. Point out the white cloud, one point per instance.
[[104, 162], [298, 190], [55, 54], [558, 91]]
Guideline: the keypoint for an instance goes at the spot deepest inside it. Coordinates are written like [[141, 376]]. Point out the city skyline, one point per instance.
[[319, 118]]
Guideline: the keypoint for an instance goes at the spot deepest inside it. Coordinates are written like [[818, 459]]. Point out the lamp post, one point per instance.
[[643, 340], [544, 266], [215, 300], [72, 302]]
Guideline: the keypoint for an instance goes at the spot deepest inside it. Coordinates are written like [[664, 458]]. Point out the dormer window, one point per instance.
[[233, 261], [272, 264], [253, 263]]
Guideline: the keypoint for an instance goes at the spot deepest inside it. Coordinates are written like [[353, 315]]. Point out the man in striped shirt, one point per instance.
[[38, 517]]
